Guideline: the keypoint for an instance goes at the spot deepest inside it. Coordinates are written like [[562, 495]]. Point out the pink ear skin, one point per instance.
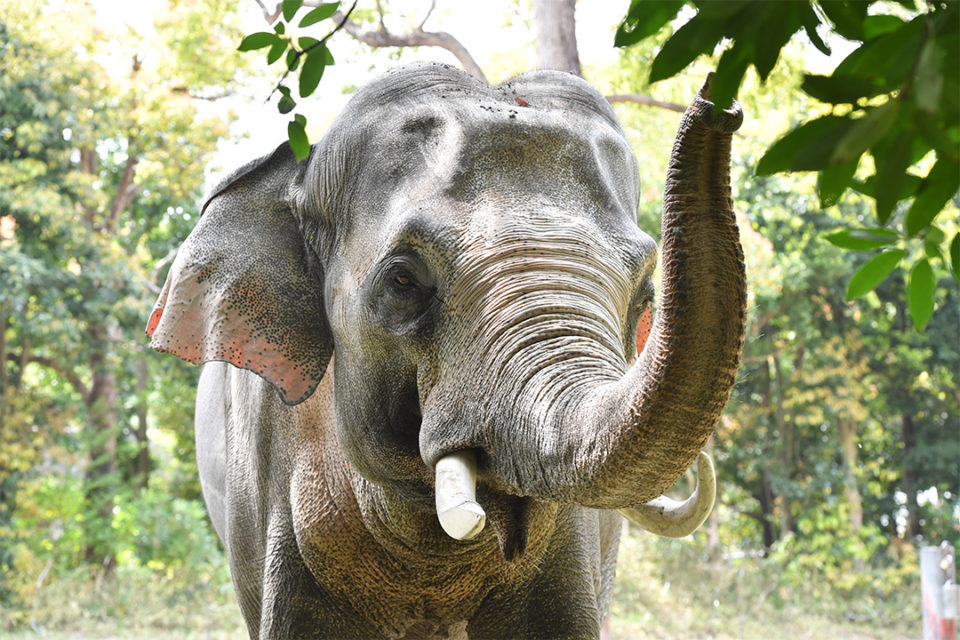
[[241, 289], [643, 328], [154, 320]]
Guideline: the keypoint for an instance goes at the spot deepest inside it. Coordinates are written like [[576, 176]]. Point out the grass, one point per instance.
[[664, 590]]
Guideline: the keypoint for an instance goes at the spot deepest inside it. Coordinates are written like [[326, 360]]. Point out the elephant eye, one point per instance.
[[402, 280]]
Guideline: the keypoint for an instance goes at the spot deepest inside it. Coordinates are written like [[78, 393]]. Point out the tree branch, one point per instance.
[[417, 38], [57, 368], [270, 17], [645, 100], [433, 5]]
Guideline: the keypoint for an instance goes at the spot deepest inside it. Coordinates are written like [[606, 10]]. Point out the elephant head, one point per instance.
[[471, 256]]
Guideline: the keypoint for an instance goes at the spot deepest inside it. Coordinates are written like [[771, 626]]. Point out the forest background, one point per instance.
[[837, 455]]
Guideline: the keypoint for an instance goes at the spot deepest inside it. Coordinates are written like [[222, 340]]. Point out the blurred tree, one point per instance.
[[100, 160]]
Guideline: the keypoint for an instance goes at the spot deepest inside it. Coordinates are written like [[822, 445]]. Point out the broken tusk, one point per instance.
[[673, 519], [456, 493]]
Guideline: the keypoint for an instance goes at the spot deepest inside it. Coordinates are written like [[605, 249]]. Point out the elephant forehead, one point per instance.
[[471, 152]]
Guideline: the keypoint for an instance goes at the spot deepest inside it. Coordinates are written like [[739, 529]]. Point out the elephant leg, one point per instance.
[[210, 425], [294, 601]]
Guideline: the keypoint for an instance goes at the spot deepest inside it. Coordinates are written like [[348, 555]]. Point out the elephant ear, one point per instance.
[[245, 288]]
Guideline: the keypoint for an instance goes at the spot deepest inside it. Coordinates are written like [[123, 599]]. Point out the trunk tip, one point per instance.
[[724, 120]]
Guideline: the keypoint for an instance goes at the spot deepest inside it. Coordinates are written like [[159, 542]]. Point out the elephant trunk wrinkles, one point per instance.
[[631, 440]]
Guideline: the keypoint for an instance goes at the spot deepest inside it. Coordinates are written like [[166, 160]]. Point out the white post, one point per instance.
[[938, 589]]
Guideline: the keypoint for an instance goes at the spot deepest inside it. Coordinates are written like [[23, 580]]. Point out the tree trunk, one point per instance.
[[848, 445], [767, 516], [141, 462], [785, 431], [909, 436], [556, 35], [3, 365], [100, 480]]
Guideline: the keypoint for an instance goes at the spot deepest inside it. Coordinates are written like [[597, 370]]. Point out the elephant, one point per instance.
[[428, 389]]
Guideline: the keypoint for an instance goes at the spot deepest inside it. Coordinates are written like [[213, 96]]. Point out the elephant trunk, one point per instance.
[[630, 440], [576, 425]]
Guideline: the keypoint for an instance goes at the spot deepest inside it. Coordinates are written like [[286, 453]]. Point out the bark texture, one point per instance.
[[556, 35]]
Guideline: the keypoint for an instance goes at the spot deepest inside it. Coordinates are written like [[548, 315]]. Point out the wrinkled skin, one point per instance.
[[456, 267]]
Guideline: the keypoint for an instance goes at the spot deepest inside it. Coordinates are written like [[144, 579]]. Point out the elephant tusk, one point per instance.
[[457, 509], [673, 519]]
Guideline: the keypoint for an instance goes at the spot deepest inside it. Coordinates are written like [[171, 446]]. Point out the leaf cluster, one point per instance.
[[305, 54], [895, 97]]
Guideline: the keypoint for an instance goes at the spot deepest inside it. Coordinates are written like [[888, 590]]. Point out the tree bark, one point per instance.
[[767, 516], [556, 35], [416, 38], [910, 475], [100, 478], [141, 463], [3, 364], [785, 431]]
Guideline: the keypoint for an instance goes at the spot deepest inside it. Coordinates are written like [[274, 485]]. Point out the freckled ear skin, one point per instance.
[[244, 287]]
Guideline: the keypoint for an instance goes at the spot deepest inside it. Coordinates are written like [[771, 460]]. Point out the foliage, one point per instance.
[[894, 96], [285, 43], [674, 589], [100, 161]]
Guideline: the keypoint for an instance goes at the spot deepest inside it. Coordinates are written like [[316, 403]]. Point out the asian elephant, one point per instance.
[[447, 294]]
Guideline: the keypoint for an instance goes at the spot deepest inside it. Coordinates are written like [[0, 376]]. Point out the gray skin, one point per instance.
[[470, 254]]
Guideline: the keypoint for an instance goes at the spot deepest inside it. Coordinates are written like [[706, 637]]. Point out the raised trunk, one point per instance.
[[633, 439]]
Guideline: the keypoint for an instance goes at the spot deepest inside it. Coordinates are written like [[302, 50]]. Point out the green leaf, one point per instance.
[[726, 81], [293, 60], [932, 240], [920, 294], [817, 40], [891, 174], [910, 185], [276, 51], [778, 24], [888, 59], [873, 272], [322, 12], [286, 104], [645, 18], [809, 136], [865, 132], [847, 17], [876, 26], [945, 139], [955, 256], [312, 71], [290, 8], [258, 40], [280, 28], [928, 83], [833, 181], [939, 186], [863, 239], [839, 89], [693, 39], [297, 137]]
